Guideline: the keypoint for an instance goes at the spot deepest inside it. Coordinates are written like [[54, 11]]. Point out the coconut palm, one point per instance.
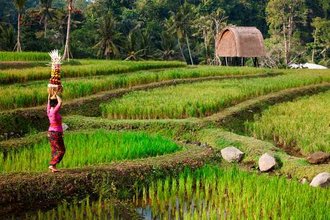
[[45, 12], [167, 46], [66, 54], [19, 4], [180, 23], [7, 36], [108, 37]]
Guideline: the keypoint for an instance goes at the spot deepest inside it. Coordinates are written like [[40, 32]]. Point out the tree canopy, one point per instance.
[[295, 30]]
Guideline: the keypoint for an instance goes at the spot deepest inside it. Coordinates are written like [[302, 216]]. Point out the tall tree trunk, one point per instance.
[[285, 44], [205, 45], [66, 54], [217, 31], [180, 47], [18, 43], [45, 27], [290, 31], [313, 51], [188, 45]]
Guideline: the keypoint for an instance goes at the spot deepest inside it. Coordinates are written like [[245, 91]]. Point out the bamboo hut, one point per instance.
[[234, 45]]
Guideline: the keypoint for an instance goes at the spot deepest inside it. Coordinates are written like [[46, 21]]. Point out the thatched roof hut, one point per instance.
[[242, 42]]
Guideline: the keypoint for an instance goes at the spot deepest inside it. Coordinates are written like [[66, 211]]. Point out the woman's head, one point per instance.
[[53, 102]]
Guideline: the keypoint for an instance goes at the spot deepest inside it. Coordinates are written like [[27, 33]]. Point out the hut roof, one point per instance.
[[240, 42]]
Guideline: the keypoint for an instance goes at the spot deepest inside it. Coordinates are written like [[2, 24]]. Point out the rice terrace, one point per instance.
[[164, 109]]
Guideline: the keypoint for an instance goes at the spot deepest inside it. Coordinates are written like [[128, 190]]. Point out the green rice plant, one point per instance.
[[203, 98], [84, 209], [35, 93], [23, 56], [243, 195], [88, 148], [21, 64], [303, 124], [87, 69]]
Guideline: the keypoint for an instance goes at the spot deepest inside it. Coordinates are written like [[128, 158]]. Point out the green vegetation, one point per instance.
[[202, 99], [23, 56], [214, 193], [170, 30], [303, 124], [233, 194], [35, 93], [85, 209], [87, 69], [88, 148]]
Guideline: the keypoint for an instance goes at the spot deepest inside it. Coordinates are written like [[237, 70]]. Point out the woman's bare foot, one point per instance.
[[53, 169]]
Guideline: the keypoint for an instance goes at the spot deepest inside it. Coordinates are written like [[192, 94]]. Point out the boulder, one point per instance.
[[318, 157], [321, 180], [232, 154], [304, 181], [266, 162]]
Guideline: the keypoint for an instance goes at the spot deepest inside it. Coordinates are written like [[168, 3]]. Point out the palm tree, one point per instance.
[[167, 46], [108, 36], [203, 25], [19, 6], [7, 36], [181, 22], [134, 46], [219, 22], [66, 54], [45, 13]]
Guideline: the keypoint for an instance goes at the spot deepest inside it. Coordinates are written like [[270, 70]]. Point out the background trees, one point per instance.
[[295, 30]]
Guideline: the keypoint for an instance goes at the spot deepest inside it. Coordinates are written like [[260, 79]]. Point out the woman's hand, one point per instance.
[[59, 99]]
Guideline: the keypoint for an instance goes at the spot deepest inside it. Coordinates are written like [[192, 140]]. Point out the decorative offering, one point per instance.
[[55, 85]]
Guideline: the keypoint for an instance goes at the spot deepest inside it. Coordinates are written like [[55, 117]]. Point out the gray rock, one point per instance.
[[304, 181], [321, 180], [232, 154], [65, 126], [318, 157], [266, 162]]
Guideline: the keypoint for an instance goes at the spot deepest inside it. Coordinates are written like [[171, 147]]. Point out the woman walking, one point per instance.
[[55, 131]]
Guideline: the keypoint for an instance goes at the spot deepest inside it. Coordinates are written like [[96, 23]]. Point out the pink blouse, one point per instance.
[[55, 118]]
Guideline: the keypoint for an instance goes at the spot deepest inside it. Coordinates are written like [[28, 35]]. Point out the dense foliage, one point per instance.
[[295, 30]]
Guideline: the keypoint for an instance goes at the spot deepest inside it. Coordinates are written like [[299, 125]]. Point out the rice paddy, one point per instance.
[[201, 99], [85, 69], [89, 148], [34, 93], [160, 190], [210, 193], [303, 124], [23, 56]]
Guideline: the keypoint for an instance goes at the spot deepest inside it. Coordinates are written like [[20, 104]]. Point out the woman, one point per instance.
[[55, 131]]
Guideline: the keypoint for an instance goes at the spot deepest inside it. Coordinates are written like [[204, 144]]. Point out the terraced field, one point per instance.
[[303, 124], [152, 147]]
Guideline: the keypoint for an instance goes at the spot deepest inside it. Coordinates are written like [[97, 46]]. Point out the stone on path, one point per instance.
[[318, 157], [322, 180], [232, 154], [266, 162]]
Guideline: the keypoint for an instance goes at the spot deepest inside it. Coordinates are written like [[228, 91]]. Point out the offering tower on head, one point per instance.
[[55, 85]]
